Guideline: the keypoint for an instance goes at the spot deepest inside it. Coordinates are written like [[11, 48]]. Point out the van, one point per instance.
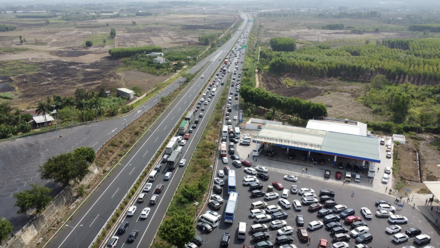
[[258, 205], [296, 205], [153, 175], [154, 199], [210, 219], [303, 236], [285, 193], [242, 230], [347, 176], [141, 197], [159, 188]]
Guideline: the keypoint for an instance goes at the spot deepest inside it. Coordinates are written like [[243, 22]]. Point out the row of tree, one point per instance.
[[288, 105], [207, 39], [283, 44], [357, 63], [5, 28], [423, 27], [123, 52], [12, 121], [335, 26]]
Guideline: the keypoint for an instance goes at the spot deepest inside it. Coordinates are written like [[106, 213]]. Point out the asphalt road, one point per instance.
[[20, 159], [86, 224]]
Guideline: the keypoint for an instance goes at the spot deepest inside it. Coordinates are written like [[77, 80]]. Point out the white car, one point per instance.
[[339, 208], [272, 209], [168, 176], [285, 203], [183, 142], [303, 190], [385, 178], [287, 230], [366, 213], [291, 178], [219, 181], [387, 170], [386, 207], [221, 173], [147, 187], [308, 195], [294, 189], [131, 211], [251, 171], [340, 245], [393, 229], [182, 162], [225, 160], [309, 200], [145, 212], [179, 138], [270, 196], [255, 212], [277, 224], [397, 219], [249, 179], [382, 213], [235, 118], [358, 231], [261, 169], [262, 218], [389, 155], [217, 198], [399, 238], [314, 225]]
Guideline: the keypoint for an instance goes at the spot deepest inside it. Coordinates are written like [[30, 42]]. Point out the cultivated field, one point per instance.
[[59, 62]]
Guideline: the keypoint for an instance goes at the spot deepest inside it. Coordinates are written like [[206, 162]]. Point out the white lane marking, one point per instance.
[[93, 220], [112, 131], [145, 153], [95, 144], [156, 139], [165, 128], [115, 193], [131, 171]]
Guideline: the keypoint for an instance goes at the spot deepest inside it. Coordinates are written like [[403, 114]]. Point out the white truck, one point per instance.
[[171, 145]]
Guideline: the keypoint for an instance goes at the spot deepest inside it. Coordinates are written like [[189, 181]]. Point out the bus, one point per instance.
[[232, 182], [230, 207], [174, 159], [225, 131], [223, 151]]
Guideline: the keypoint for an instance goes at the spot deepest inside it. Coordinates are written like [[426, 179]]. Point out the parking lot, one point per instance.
[[365, 195]]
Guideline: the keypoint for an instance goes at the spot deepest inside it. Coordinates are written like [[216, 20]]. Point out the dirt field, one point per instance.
[[340, 97], [66, 64]]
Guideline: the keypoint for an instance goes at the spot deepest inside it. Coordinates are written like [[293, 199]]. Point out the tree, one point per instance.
[[400, 106], [112, 33], [89, 43], [378, 81], [283, 44], [68, 101], [84, 153], [5, 229], [38, 197], [43, 108], [177, 230]]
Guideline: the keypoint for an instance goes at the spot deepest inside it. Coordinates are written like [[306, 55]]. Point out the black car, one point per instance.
[[412, 232], [327, 192], [123, 227], [235, 157], [234, 140], [358, 224], [331, 225], [283, 239], [132, 236], [315, 207], [299, 220], [323, 212], [218, 189], [204, 227], [231, 150], [378, 202], [347, 212], [194, 126], [198, 240], [364, 238], [225, 240], [330, 218], [263, 176], [255, 185], [327, 174], [330, 203], [257, 193], [325, 198], [260, 236], [338, 229], [279, 215]]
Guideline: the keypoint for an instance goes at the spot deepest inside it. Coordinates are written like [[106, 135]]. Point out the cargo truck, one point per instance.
[[171, 145], [183, 128]]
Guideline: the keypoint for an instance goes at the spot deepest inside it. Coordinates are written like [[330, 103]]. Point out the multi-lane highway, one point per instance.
[[90, 219]]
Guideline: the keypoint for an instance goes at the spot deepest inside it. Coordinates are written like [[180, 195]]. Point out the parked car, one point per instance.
[[338, 175], [226, 237], [341, 237], [271, 196], [351, 219], [422, 239], [323, 212], [382, 214], [366, 213], [260, 236], [399, 238], [397, 219], [299, 220], [287, 230], [364, 238], [315, 207], [263, 176], [338, 229], [294, 189], [214, 204], [257, 193], [291, 178], [347, 212], [314, 225], [261, 169], [280, 215], [393, 229], [272, 209], [331, 225], [411, 232], [277, 224], [340, 245], [327, 174], [358, 231], [277, 185], [246, 163]]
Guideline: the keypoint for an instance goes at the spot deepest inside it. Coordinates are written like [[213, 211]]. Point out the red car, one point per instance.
[[246, 163], [186, 136], [277, 185], [351, 219], [338, 175], [322, 243], [196, 109]]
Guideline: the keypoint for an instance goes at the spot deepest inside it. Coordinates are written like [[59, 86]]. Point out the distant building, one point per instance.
[[154, 54], [159, 60], [339, 126], [124, 92]]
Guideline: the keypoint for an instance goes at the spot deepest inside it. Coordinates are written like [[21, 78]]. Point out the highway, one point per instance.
[[86, 224]]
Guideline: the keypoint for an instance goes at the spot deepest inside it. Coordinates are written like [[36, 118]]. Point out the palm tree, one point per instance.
[[81, 106], [68, 101], [43, 108]]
